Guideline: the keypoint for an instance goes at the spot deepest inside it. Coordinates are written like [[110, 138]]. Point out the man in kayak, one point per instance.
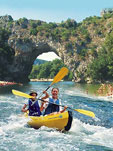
[[34, 108], [50, 104]]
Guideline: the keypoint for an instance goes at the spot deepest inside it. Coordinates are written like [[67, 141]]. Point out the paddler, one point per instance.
[[50, 104], [33, 108]]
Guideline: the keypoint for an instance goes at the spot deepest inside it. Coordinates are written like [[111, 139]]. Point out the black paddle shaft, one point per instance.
[[48, 87]]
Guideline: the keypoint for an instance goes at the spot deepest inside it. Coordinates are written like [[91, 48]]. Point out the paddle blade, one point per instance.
[[85, 112], [15, 92], [60, 75]]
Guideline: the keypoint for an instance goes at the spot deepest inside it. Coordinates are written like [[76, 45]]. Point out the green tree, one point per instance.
[[6, 52], [49, 70], [102, 66]]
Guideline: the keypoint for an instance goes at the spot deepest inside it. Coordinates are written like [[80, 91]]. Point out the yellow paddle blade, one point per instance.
[[60, 75], [15, 92], [85, 112]]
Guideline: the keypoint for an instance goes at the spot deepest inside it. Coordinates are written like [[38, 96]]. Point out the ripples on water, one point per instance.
[[86, 134]]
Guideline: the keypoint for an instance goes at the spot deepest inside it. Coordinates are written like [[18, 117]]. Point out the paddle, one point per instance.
[[85, 112], [15, 92], [60, 75]]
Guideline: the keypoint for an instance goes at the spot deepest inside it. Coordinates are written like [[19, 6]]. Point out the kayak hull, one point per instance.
[[60, 121]]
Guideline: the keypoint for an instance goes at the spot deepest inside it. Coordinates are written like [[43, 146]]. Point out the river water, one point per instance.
[[86, 133]]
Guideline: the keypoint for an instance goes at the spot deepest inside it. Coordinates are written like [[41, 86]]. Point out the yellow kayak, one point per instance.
[[60, 121]]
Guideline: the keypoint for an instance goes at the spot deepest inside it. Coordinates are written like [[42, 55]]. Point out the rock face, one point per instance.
[[25, 54], [27, 47]]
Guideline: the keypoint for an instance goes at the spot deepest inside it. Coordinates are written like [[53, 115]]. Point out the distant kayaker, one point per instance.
[[34, 109], [49, 105]]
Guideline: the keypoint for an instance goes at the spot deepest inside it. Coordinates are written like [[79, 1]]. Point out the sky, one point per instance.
[[50, 56], [53, 10]]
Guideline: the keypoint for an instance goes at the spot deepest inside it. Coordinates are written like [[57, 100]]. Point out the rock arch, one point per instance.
[[26, 51]]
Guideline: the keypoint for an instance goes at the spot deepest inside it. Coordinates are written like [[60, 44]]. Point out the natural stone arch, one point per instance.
[[26, 51]]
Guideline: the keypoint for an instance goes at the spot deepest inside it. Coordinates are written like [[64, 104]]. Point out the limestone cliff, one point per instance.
[[28, 46]]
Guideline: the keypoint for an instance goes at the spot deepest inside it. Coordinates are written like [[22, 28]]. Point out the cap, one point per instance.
[[32, 91]]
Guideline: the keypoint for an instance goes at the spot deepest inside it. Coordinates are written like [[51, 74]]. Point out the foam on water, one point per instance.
[[1, 131], [105, 98], [14, 122], [95, 135], [102, 137]]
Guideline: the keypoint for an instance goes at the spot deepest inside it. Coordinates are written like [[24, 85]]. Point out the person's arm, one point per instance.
[[62, 108], [44, 101], [46, 95], [24, 108], [42, 106], [65, 107]]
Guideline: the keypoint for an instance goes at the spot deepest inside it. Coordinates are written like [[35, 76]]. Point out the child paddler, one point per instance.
[[33, 108]]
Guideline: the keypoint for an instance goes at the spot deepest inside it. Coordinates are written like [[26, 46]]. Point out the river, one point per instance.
[[86, 133]]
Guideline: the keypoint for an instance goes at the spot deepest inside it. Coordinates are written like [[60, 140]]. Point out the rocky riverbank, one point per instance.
[[42, 79], [6, 83]]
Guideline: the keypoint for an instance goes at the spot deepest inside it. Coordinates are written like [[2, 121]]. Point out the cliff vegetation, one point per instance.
[[85, 47]]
